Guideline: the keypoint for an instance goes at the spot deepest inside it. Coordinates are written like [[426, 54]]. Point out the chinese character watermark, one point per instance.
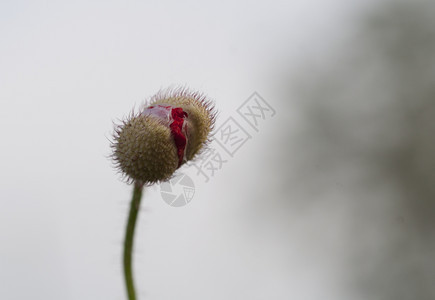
[[255, 109], [230, 137]]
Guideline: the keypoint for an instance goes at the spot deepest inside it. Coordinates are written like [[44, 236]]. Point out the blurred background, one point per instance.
[[333, 197]]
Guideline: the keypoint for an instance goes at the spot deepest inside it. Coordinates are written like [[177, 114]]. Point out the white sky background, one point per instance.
[[67, 69]]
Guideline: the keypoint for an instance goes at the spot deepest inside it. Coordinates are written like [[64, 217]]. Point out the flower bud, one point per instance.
[[171, 129]]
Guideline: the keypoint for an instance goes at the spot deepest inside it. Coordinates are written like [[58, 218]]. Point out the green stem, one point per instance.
[[128, 243]]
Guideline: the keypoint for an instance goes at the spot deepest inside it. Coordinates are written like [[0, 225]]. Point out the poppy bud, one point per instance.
[[171, 129]]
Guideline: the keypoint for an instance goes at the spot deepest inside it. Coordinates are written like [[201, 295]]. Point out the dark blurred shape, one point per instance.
[[368, 135]]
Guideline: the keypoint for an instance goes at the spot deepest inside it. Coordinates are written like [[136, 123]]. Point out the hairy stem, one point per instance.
[[128, 243]]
